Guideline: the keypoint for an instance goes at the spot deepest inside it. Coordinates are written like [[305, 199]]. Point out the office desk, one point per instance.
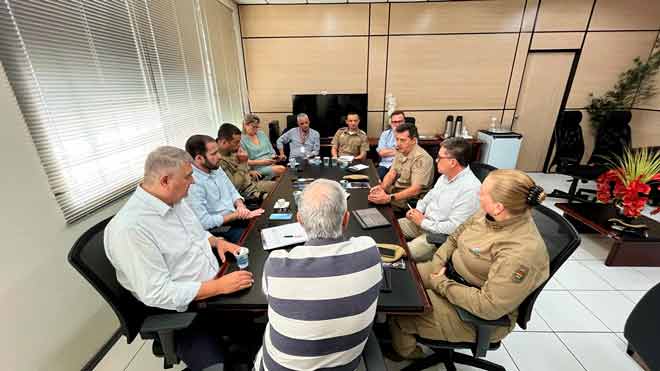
[[407, 296]]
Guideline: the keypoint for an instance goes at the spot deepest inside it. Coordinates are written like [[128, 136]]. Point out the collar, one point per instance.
[[511, 222], [199, 172], [411, 154], [150, 200], [324, 241]]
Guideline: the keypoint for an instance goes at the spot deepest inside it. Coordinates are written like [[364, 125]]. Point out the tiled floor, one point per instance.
[[577, 323]]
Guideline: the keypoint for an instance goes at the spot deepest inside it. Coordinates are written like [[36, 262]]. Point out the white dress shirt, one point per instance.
[[450, 202], [161, 253]]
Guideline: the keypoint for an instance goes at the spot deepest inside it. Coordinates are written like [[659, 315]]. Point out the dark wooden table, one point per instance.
[[627, 249], [407, 296]]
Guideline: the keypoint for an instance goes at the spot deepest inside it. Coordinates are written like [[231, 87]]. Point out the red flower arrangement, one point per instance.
[[635, 169]]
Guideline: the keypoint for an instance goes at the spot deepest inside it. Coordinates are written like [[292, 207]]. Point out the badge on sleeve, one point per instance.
[[519, 274]]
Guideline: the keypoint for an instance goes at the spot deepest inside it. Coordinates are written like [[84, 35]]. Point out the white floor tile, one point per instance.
[[120, 355], [539, 351], [623, 338], [592, 247], [621, 278], [563, 312], [611, 307], [652, 273], [146, 361], [499, 356], [553, 284], [634, 296], [573, 275], [536, 324], [600, 352]]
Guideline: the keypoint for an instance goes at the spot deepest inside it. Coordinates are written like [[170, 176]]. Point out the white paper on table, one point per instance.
[[348, 158], [359, 167], [275, 237]]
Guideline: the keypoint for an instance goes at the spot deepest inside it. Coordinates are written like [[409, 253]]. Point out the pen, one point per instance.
[[291, 236], [410, 207]]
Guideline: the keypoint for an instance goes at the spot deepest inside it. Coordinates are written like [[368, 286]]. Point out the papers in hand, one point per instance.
[[282, 235]]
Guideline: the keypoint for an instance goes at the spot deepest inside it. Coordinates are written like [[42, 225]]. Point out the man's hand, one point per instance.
[[225, 247], [255, 174], [415, 216], [255, 213], [379, 197], [376, 188], [242, 212], [234, 281]]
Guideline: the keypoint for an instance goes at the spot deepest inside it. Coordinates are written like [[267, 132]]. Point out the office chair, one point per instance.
[[410, 120], [88, 257], [642, 329], [612, 138], [561, 240]]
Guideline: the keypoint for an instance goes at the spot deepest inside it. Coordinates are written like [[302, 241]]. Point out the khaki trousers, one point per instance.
[[420, 250]]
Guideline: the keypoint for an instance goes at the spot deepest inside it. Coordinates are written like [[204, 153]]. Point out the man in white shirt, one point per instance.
[[453, 199], [164, 257]]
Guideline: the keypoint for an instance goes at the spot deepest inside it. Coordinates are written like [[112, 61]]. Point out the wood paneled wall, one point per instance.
[[440, 58]]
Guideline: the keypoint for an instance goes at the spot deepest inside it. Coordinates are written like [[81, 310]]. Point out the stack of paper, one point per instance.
[[283, 235]]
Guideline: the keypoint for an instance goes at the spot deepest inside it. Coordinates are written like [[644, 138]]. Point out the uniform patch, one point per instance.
[[476, 251], [519, 274]]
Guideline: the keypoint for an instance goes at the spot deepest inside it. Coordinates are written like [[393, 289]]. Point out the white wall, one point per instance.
[[51, 318]]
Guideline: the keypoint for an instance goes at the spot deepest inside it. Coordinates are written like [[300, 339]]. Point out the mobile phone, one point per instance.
[[388, 253]]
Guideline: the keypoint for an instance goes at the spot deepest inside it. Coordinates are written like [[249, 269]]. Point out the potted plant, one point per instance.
[[626, 183]]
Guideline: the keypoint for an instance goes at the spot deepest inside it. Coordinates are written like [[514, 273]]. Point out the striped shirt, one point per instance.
[[322, 300]]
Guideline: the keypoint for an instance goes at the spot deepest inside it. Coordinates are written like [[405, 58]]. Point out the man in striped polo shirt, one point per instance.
[[322, 296]]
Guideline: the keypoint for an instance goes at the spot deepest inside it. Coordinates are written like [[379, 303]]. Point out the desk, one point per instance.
[[408, 295], [627, 250]]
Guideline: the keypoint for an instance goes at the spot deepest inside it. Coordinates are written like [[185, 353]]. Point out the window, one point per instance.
[[101, 84]]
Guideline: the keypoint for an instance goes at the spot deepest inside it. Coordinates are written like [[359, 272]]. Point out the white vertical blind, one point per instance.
[[101, 84]]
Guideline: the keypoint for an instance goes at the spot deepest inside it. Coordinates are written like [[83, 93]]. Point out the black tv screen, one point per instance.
[[327, 111]]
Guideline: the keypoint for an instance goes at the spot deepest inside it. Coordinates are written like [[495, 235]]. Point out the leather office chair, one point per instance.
[[642, 329], [88, 257], [612, 138], [561, 240], [410, 120]]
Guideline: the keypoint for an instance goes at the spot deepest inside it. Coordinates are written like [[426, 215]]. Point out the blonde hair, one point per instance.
[[515, 190]]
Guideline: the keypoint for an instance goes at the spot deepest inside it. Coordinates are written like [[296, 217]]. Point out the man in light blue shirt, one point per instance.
[[387, 143], [213, 198], [303, 141]]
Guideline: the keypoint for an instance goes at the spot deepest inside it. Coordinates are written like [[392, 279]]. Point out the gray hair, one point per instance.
[[250, 118], [301, 116], [163, 161], [322, 207]]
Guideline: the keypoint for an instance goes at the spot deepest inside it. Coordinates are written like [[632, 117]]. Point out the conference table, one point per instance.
[[407, 295]]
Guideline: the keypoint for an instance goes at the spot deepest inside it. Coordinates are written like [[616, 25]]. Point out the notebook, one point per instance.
[[283, 235], [370, 218]]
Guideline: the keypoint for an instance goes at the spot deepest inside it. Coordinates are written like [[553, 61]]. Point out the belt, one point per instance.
[[451, 273]]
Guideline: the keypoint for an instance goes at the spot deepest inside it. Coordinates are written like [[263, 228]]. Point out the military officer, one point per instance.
[[246, 181], [410, 175], [350, 140], [488, 266]]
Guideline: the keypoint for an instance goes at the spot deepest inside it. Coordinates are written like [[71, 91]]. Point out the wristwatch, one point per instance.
[[392, 197]]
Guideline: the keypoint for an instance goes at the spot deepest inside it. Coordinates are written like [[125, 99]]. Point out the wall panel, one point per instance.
[[375, 123], [450, 71], [563, 15], [433, 122], [557, 40], [604, 56], [377, 64], [457, 17], [620, 15], [304, 20], [518, 69], [529, 17], [379, 19], [278, 68], [645, 127]]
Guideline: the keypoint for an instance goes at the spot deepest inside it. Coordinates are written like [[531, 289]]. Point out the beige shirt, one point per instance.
[[414, 168], [350, 143], [507, 261]]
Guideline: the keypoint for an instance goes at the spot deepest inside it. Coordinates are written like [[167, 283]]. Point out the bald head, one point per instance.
[[322, 209]]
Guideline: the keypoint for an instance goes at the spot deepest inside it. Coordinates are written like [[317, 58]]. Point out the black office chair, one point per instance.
[[410, 120], [561, 240], [612, 138], [481, 170], [88, 257], [642, 329], [291, 122]]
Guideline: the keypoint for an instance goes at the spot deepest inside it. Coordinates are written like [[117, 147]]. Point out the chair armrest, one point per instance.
[[163, 326], [372, 356], [484, 329], [436, 238]]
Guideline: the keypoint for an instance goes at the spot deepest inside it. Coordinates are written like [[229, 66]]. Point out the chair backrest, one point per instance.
[[612, 137], [273, 131], [561, 240], [569, 142], [481, 170], [88, 257], [643, 326], [291, 122], [410, 119]]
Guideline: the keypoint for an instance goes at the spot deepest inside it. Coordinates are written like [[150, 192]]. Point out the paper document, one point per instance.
[[348, 158], [283, 235], [358, 167]]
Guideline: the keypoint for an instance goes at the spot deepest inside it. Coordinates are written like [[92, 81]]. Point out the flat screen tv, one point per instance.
[[326, 111]]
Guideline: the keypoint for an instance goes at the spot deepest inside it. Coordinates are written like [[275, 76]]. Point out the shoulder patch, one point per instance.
[[519, 274]]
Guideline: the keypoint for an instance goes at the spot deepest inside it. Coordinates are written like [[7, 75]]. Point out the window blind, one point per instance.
[[101, 84]]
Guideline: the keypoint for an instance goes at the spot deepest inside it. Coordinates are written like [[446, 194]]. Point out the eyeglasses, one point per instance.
[[443, 158]]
